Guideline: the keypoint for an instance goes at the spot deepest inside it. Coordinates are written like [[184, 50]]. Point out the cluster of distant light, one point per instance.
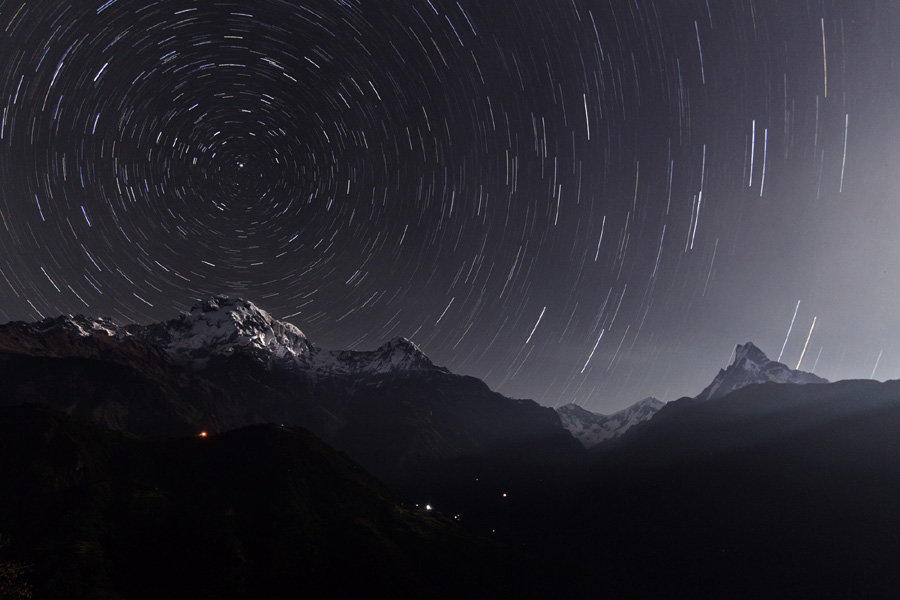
[[503, 182]]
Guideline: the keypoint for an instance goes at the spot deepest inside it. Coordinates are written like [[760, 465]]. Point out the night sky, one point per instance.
[[575, 200]]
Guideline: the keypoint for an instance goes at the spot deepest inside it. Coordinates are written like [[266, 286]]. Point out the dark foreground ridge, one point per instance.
[[260, 512]]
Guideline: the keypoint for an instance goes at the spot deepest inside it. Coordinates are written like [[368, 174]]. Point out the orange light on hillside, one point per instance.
[[203, 434]]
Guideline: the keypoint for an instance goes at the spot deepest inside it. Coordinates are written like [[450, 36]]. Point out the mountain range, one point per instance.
[[237, 365], [750, 366], [223, 327], [187, 458], [228, 364]]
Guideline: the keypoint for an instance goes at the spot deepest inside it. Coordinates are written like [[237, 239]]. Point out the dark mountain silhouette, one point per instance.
[[262, 512]]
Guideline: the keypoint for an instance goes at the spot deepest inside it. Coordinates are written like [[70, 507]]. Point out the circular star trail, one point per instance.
[[575, 200]]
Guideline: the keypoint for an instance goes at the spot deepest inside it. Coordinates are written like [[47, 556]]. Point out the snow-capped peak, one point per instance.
[[396, 356], [222, 325], [245, 317], [751, 366], [591, 428]]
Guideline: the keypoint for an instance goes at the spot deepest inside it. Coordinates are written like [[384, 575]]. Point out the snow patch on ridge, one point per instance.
[[78, 326]]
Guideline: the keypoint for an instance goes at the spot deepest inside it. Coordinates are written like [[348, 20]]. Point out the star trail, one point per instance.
[[575, 200]]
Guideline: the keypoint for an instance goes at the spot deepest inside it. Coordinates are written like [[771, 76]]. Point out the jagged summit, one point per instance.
[[222, 326], [225, 308], [750, 352], [750, 366]]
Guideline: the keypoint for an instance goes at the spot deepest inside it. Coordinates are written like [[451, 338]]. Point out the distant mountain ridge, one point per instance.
[[222, 326], [750, 366], [592, 428]]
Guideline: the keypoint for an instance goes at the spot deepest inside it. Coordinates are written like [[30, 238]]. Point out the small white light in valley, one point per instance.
[[427, 507]]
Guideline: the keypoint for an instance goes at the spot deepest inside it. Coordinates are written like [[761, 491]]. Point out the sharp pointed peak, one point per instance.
[[228, 308], [403, 346], [749, 350], [751, 365]]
